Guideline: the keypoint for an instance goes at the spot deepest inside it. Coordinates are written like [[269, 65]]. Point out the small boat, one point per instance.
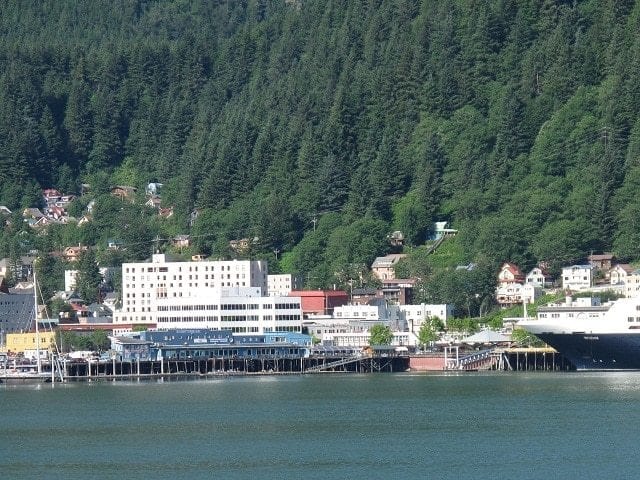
[[17, 372]]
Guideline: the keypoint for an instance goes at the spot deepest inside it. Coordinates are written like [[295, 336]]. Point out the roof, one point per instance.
[[604, 256], [131, 341], [512, 268], [624, 266], [487, 336], [388, 260], [364, 291], [468, 267], [576, 267], [317, 293], [399, 282]]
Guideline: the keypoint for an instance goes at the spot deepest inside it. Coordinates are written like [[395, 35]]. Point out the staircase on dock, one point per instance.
[[482, 360], [334, 364]]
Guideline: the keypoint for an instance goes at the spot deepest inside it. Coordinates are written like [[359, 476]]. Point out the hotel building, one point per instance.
[[215, 295]]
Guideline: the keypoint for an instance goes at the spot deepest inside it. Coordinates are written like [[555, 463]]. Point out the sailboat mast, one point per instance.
[[35, 317]]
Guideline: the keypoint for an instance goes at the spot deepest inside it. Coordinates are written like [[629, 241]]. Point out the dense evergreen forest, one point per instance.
[[319, 127]]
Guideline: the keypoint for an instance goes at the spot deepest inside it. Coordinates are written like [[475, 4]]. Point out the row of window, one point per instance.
[[569, 315], [161, 286], [192, 268], [226, 307], [287, 317], [287, 306], [187, 319], [227, 318]]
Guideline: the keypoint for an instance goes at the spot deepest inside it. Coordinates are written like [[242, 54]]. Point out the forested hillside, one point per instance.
[[319, 127]]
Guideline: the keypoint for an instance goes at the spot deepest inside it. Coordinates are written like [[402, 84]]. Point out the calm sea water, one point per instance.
[[501, 425]]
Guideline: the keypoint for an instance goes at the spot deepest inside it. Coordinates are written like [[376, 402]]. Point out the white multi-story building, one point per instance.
[[632, 284], [577, 277], [206, 294], [350, 324], [282, 284], [358, 312], [71, 277], [415, 315]]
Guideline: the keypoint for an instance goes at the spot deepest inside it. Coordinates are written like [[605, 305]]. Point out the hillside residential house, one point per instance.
[[577, 277], [538, 277], [32, 214], [71, 254], [153, 188], [601, 261], [362, 296], [165, 212], [383, 267], [124, 192], [398, 291], [242, 245], [154, 202], [510, 273], [181, 241], [20, 270], [632, 284], [396, 239], [618, 273], [510, 294]]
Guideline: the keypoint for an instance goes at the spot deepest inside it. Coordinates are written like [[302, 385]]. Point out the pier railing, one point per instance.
[[471, 361], [334, 364]]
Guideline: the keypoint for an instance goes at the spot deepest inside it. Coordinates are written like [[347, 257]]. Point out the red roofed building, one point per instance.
[[510, 273], [320, 302]]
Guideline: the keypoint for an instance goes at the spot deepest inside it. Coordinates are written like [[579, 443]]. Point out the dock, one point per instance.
[[496, 359]]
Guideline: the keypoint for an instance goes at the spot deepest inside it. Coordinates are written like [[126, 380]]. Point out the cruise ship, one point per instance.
[[591, 335]]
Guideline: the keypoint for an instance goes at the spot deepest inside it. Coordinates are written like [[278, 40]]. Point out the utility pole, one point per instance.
[[604, 135]]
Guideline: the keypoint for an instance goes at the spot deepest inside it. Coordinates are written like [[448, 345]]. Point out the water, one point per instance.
[[499, 425]]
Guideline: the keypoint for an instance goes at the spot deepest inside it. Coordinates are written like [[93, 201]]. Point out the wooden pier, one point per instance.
[[498, 359], [127, 369]]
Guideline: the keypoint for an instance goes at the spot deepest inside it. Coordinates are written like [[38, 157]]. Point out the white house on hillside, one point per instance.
[[577, 277], [619, 273], [538, 278], [632, 284]]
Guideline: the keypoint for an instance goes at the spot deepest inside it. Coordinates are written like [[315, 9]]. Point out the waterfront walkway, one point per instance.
[[506, 359]]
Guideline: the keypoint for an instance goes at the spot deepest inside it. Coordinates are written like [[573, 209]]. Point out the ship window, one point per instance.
[[630, 319]]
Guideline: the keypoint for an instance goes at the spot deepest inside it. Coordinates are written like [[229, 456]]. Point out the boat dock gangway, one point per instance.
[[473, 361], [334, 364]]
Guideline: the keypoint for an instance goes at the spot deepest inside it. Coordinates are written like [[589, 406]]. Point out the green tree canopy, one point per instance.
[[380, 335]]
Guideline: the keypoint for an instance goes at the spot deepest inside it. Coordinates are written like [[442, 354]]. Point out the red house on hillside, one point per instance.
[[510, 273]]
